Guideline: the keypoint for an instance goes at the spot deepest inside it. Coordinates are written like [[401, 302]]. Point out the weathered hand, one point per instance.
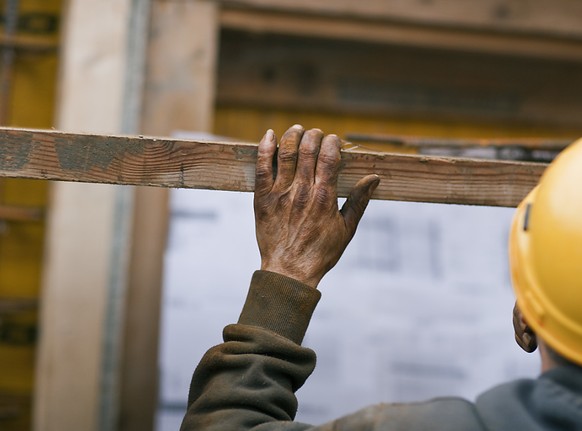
[[300, 231]]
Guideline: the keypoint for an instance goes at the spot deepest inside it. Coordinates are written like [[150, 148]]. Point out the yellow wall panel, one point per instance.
[[21, 243], [249, 123], [32, 98], [33, 91]]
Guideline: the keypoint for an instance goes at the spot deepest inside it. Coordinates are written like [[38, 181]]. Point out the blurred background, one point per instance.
[[109, 295]]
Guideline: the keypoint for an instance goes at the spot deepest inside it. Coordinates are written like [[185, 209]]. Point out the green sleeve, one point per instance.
[[250, 380]]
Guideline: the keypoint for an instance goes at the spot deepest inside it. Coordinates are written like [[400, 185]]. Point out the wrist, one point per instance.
[[294, 273], [279, 304]]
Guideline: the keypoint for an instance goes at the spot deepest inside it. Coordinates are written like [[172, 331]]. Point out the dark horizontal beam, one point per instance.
[[167, 162], [556, 19], [20, 214], [29, 44]]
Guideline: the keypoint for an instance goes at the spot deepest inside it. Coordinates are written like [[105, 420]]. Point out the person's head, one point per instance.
[[545, 249]]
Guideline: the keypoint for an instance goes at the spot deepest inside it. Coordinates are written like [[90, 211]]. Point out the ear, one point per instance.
[[524, 335]]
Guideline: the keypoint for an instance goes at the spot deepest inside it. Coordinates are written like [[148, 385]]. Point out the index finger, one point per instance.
[[264, 168]]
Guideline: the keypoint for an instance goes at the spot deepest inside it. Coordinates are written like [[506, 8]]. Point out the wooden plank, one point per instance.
[[419, 142], [403, 34], [69, 368], [559, 18], [180, 73], [516, 149], [140, 364], [230, 166]]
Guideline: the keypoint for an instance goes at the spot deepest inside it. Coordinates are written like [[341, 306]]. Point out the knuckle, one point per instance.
[[308, 151], [262, 171], [322, 196], [282, 199], [301, 198], [287, 156], [328, 158]]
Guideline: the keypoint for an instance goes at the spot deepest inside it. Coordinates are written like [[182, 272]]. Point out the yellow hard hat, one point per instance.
[[545, 253]]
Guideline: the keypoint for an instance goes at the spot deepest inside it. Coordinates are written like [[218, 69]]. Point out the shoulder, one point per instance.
[[512, 397], [551, 402]]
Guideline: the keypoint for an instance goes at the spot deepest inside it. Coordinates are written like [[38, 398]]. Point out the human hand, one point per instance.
[[300, 231]]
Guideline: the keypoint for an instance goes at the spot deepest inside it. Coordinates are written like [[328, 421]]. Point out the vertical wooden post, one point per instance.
[[88, 231], [178, 94], [180, 82], [97, 361]]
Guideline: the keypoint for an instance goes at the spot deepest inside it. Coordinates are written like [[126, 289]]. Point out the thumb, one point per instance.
[[354, 207]]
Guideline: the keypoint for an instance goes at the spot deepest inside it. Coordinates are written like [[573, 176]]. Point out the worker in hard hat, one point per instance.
[[248, 382]]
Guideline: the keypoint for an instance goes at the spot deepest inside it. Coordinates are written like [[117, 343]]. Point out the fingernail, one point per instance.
[[297, 126], [270, 135]]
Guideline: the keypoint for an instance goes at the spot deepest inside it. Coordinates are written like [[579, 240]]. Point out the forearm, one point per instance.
[[251, 378]]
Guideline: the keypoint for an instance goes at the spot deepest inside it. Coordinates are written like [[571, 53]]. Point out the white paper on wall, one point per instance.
[[419, 306]]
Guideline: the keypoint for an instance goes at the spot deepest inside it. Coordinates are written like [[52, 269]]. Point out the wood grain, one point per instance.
[[168, 162]]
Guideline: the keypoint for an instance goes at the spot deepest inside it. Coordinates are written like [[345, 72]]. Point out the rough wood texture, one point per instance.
[[230, 166]]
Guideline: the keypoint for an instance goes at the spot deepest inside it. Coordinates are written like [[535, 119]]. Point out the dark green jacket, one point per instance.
[[249, 381]]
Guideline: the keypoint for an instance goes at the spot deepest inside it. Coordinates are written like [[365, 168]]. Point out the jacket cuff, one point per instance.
[[280, 304]]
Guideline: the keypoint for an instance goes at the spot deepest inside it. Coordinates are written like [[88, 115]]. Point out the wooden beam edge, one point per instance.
[[536, 22], [167, 162], [401, 33]]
